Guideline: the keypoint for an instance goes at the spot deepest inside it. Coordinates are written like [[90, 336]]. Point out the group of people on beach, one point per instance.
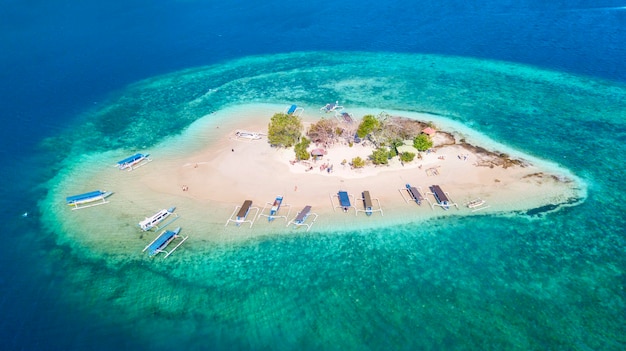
[[327, 167]]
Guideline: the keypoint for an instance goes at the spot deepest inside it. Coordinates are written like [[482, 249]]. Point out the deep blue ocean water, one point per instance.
[[557, 283]]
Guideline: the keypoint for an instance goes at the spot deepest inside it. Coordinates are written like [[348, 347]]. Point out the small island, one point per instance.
[[248, 157]]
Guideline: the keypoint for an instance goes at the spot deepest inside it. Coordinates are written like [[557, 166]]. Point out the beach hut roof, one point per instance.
[[429, 131], [406, 148], [318, 152]]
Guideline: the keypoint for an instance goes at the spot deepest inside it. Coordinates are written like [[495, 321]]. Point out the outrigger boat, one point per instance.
[[301, 218], [133, 161], [331, 107], [159, 244], [242, 214], [415, 194], [294, 110], [248, 135], [367, 202], [344, 200], [440, 196], [275, 207], [477, 204], [154, 220], [93, 198]]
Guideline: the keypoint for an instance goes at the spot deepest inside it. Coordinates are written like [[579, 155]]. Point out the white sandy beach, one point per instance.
[[220, 171]]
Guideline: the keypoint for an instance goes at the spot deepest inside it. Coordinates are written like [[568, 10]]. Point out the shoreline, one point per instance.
[[220, 172]]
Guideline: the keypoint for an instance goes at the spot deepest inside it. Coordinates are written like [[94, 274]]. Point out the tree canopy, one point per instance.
[[422, 142], [284, 130], [367, 125]]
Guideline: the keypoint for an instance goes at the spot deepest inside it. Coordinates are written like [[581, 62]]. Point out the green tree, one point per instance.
[[407, 156], [358, 162], [301, 149], [284, 130], [380, 156], [422, 142], [367, 125]]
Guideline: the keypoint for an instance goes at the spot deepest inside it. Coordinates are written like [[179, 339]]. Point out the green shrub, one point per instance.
[[301, 149], [422, 142], [380, 156], [407, 156], [358, 162]]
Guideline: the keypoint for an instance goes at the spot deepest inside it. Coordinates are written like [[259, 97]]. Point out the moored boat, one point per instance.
[[154, 220], [415, 194], [159, 244], [248, 135], [88, 199], [132, 161], [275, 207], [476, 203]]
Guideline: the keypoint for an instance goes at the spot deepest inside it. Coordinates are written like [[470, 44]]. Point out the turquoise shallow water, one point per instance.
[[551, 280]]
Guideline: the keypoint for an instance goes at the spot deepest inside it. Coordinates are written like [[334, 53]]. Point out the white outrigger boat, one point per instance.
[[154, 220], [477, 204], [244, 134]]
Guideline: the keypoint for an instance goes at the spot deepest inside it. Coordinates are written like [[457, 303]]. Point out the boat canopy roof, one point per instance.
[[439, 194], [305, 212], [344, 199], [162, 240], [367, 199], [84, 196], [132, 158], [243, 211]]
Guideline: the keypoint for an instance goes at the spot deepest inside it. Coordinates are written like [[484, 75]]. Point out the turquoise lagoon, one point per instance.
[[541, 279]]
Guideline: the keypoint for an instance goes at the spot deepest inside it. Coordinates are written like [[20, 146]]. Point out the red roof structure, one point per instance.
[[429, 131], [318, 152]]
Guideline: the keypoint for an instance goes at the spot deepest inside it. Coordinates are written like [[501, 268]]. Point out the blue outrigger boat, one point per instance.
[[275, 207], [135, 161], [159, 244], [88, 199], [294, 110], [344, 200], [415, 194]]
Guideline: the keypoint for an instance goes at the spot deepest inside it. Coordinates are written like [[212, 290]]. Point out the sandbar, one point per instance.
[[207, 172]]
